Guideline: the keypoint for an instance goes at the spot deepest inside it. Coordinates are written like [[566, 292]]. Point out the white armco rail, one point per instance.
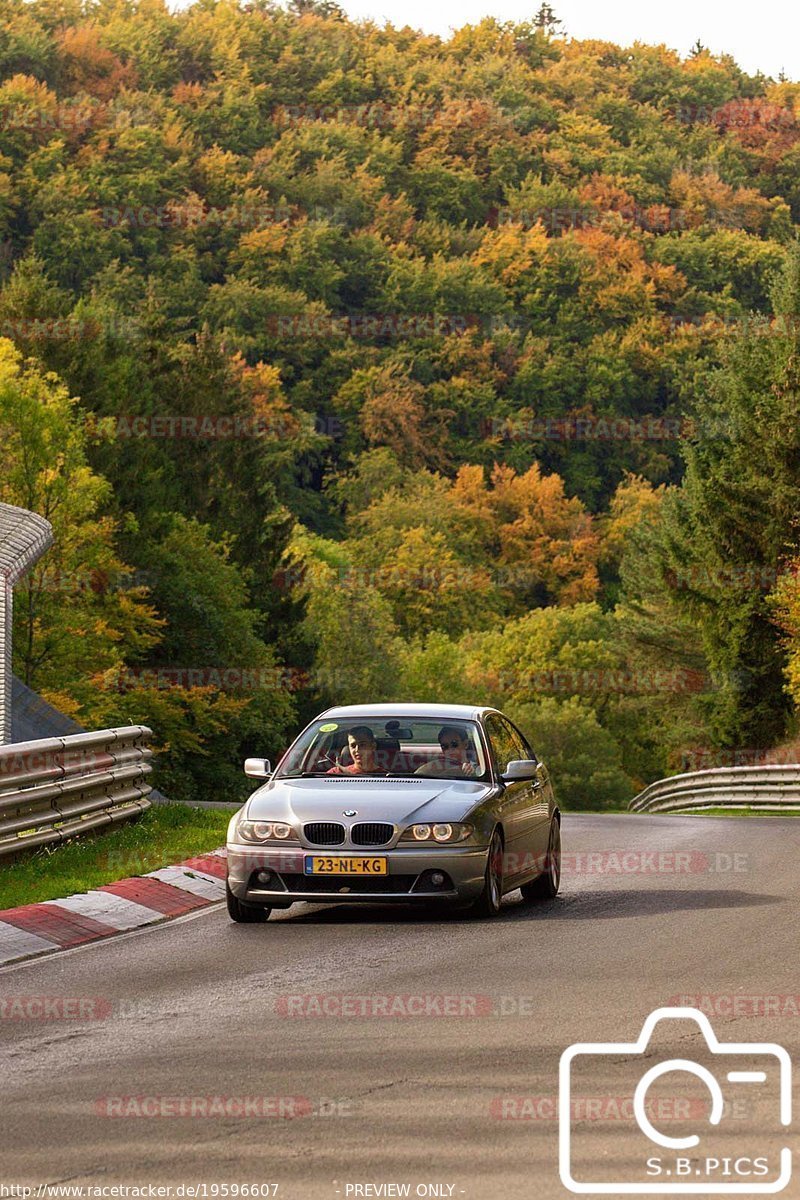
[[24, 537], [57, 788], [768, 788]]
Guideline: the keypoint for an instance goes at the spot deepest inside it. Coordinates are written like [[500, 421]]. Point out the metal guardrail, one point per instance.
[[24, 537], [56, 788], [769, 788]]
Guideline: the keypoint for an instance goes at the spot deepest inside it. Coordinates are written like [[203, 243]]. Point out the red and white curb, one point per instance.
[[34, 929]]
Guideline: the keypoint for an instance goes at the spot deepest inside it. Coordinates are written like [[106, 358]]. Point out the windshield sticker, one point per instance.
[[329, 728]]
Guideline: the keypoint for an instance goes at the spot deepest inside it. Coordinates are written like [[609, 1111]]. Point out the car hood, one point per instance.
[[400, 801]]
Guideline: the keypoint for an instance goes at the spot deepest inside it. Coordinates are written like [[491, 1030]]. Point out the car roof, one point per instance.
[[439, 712]]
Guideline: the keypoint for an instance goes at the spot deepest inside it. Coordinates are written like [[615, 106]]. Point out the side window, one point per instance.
[[501, 741], [516, 741], [522, 743]]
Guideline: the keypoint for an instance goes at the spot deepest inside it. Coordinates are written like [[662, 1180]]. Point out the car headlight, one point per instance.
[[264, 831], [443, 832]]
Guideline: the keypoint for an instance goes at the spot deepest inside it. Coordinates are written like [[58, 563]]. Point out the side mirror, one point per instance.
[[257, 768], [519, 769]]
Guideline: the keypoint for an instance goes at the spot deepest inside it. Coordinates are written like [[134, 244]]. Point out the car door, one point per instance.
[[538, 823], [514, 803]]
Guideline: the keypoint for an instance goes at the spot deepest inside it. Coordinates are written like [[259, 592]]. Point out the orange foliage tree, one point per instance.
[[543, 541]]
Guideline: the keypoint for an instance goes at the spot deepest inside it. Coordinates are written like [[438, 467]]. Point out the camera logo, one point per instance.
[[706, 1157]]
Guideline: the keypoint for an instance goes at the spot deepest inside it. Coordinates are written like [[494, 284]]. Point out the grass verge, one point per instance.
[[165, 834]]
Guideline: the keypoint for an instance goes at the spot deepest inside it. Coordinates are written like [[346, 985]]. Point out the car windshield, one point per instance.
[[387, 747]]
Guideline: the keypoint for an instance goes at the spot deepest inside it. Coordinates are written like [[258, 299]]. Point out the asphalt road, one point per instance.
[[199, 1008]]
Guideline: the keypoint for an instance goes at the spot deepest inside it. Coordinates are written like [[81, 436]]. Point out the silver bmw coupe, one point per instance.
[[397, 803]]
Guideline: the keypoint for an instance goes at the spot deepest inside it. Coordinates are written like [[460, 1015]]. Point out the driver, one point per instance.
[[363, 750], [454, 759]]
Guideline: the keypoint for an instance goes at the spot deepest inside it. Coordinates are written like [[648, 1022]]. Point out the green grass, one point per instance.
[[165, 834]]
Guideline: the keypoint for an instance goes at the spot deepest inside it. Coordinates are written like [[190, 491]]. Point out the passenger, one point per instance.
[[363, 750], [454, 760]]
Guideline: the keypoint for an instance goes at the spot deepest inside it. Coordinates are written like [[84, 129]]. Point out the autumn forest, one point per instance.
[[350, 363]]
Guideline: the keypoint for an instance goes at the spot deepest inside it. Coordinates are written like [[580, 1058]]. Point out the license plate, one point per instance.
[[317, 864]]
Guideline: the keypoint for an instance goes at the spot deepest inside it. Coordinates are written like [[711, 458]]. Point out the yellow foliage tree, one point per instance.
[[542, 541]]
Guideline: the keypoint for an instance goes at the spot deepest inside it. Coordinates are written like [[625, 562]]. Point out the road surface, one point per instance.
[[199, 1012]]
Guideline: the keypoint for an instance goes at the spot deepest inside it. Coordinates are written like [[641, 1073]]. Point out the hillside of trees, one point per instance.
[[350, 363]]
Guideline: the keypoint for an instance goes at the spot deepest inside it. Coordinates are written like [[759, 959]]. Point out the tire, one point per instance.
[[546, 885], [490, 899], [245, 914]]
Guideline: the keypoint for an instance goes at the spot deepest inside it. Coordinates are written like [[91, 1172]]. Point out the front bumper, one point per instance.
[[408, 879]]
